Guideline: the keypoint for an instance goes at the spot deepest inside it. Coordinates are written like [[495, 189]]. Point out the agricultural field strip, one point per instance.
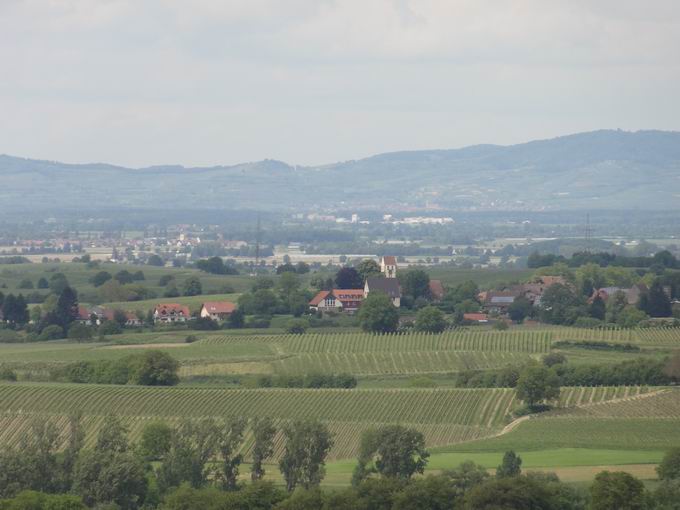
[[444, 416]]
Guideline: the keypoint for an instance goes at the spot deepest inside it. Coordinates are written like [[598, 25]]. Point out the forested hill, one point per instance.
[[597, 170]]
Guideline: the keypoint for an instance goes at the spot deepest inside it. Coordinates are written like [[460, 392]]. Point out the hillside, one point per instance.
[[597, 170]]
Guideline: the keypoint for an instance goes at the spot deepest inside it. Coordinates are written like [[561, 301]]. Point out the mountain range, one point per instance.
[[606, 169]]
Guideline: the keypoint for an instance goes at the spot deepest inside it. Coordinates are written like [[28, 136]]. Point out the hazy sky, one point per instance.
[[202, 82]]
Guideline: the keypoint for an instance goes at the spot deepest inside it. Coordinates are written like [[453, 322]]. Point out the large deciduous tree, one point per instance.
[[304, 456], [393, 451], [348, 278], [377, 314], [537, 384]]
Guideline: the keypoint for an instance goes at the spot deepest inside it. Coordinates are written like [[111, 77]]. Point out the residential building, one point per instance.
[[171, 312], [388, 285], [436, 290], [337, 300], [632, 294], [217, 310], [479, 318]]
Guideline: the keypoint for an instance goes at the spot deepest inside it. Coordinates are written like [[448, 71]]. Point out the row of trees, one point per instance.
[[197, 465]]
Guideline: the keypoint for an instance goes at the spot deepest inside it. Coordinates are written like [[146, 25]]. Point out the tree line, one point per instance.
[[196, 464]]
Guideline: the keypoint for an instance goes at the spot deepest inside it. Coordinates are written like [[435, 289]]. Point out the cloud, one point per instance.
[[310, 81]]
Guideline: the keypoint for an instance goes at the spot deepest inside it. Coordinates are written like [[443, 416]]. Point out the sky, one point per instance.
[[211, 82]]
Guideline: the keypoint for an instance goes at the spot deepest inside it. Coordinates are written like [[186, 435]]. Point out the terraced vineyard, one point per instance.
[[445, 416]]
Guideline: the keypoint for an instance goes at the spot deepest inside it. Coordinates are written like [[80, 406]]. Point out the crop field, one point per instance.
[[361, 354], [647, 422], [445, 416]]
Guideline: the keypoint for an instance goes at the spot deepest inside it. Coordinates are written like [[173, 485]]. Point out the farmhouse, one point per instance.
[[217, 310], [170, 312], [478, 318], [337, 300], [436, 290], [389, 286], [632, 294], [498, 301]]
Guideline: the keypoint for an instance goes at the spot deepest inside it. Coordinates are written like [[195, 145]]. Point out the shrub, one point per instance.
[[110, 328], [297, 326], [7, 374], [52, 332], [190, 339], [79, 332]]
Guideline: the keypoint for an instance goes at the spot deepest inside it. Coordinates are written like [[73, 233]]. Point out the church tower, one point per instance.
[[388, 266]]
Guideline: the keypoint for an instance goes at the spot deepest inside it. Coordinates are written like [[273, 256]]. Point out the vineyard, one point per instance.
[[445, 416], [650, 421]]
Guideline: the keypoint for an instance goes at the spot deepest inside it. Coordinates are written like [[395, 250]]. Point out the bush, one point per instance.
[[500, 325], [9, 336], [79, 332], [190, 339], [52, 332], [154, 368], [204, 324], [297, 326], [554, 358], [7, 374], [110, 328]]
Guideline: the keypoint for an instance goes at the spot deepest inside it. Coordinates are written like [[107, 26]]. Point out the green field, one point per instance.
[[445, 416]]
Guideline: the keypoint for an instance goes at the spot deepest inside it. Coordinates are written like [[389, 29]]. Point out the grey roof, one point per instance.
[[389, 286], [502, 299]]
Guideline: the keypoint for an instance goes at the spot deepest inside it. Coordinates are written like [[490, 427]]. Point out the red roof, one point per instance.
[[476, 317], [219, 306], [341, 295], [390, 260], [318, 298], [172, 308], [83, 313], [436, 289]]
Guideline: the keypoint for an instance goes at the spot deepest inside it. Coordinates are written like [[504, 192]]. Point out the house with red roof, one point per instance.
[[479, 318], [436, 290], [217, 310], [337, 300], [171, 313]]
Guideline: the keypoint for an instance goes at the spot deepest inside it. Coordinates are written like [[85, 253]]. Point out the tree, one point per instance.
[[101, 278], [192, 287], [377, 314], [155, 368], [560, 305], [520, 309], [15, 310], [288, 283], [510, 466], [286, 268], [598, 308], [302, 268], [155, 260], [669, 469], [263, 445], [43, 283], [431, 320], [236, 319], [79, 332], [368, 268], [66, 310], [192, 446], [124, 277], [431, 493], [155, 440], [415, 283], [655, 302], [307, 445], [618, 490], [58, 283], [110, 473], [229, 438], [516, 493], [537, 384], [630, 317], [394, 451], [348, 278]]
